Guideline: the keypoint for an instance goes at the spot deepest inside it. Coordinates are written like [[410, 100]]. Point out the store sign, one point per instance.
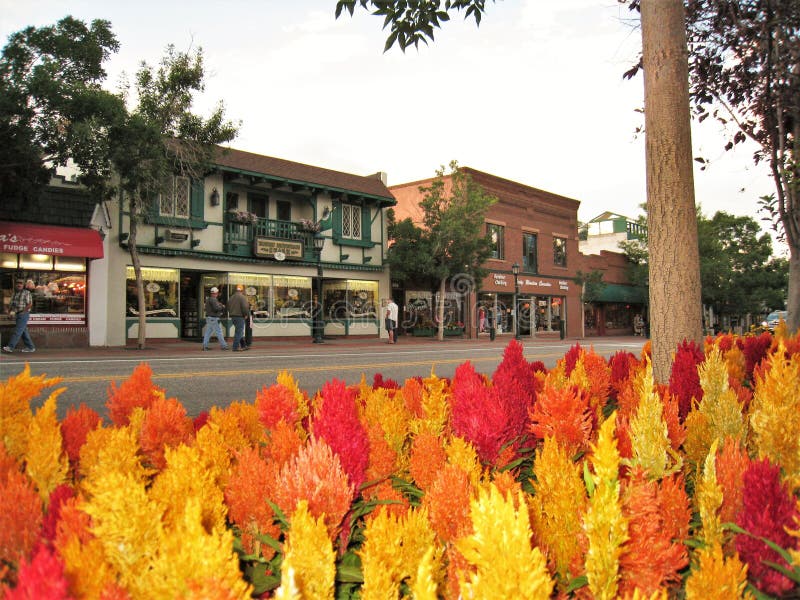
[[274, 246], [503, 280], [500, 279], [27, 238], [57, 318]]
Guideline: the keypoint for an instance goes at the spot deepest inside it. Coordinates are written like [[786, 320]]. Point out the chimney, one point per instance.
[[382, 176]]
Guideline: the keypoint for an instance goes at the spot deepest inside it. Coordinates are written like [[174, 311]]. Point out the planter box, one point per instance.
[[459, 331], [423, 331]]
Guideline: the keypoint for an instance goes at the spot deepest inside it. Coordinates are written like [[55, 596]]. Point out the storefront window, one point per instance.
[[57, 297], [160, 292], [292, 297], [350, 299], [418, 309], [257, 290], [618, 316], [549, 312]]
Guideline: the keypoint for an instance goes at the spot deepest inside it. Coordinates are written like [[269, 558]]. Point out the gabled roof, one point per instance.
[[287, 172], [609, 216], [69, 205]]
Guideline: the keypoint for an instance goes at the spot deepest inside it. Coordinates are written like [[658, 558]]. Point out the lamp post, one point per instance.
[[515, 271], [317, 323]]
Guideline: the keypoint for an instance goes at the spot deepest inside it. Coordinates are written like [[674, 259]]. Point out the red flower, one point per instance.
[[622, 365], [478, 414], [77, 423], [571, 358], [336, 421], [755, 349], [768, 509], [43, 577], [516, 387], [684, 380], [58, 497], [379, 382]]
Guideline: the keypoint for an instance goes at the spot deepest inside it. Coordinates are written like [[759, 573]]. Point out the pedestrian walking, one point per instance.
[[391, 320], [214, 311], [239, 310], [20, 309]]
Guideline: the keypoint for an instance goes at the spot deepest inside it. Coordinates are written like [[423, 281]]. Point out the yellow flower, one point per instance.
[[652, 450], [775, 412], [605, 526], [287, 380], [462, 454], [424, 586], [214, 452], [435, 406], [716, 577], [505, 564], [111, 450], [46, 463], [309, 562], [381, 407], [708, 498], [719, 414], [15, 412], [557, 506], [186, 478]]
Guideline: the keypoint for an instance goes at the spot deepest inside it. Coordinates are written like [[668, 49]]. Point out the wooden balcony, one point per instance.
[[239, 236]]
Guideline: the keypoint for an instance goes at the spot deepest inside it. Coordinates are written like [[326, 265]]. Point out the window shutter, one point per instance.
[[337, 220], [366, 224], [196, 203]]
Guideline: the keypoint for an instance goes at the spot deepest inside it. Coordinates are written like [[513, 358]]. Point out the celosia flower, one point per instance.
[[378, 382], [43, 577], [111, 449], [427, 459], [213, 450], [775, 412], [755, 349], [136, 391], [462, 454], [684, 382], [435, 406], [77, 423], [478, 414], [506, 566], [188, 553], [58, 497], [719, 414], [45, 461], [274, 404], [516, 387], [20, 517], [650, 443], [769, 509], [309, 552], [387, 498], [571, 359], [186, 477], [382, 457], [708, 500], [605, 524], [564, 414], [716, 577], [658, 517], [200, 420], [165, 426], [622, 363], [246, 494], [315, 475], [732, 462], [393, 550], [382, 408], [15, 413], [336, 422], [239, 425], [424, 586], [447, 503], [284, 443], [412, 392], [557, 506], [592, 374], [286, 379]]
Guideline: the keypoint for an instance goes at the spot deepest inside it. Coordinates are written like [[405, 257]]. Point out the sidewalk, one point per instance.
[[265, 346]]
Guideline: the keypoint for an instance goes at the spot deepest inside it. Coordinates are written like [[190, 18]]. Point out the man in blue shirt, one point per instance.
[[20, 309]]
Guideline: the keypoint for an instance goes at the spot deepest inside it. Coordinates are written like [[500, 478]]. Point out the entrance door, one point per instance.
[[190, 305]]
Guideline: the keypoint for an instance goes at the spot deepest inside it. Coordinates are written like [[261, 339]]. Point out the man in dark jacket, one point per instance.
[[239, 310], [214, 310]]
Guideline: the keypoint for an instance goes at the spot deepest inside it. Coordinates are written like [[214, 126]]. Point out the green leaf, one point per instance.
[[587, 479], [577, 583]]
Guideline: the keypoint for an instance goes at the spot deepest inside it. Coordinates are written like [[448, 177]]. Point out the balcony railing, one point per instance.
[[239, 236]]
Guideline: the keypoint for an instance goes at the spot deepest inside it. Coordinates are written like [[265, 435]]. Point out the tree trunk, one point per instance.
[[793, 301], [675, 302], [440, 310], [137, 270]]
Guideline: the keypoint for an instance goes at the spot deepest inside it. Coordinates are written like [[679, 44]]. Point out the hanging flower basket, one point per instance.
[[242, 216], [310, 226]]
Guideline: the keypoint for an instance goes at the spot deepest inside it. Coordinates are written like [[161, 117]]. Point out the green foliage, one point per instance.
[[592, 284], [413, 21], [53, 106]]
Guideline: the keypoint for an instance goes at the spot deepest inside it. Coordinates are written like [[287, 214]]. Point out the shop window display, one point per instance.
[[257, 290], [160, 292], [292, 297], [350, 299], [57, 296], [618, 316]]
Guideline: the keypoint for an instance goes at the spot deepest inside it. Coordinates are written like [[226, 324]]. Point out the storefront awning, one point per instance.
[[622, 294], [28, 238]]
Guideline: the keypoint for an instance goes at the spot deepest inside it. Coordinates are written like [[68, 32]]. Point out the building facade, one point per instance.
[[533, 229], [253, 221]]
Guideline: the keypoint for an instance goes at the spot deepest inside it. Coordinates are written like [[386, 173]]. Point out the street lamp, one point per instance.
[[317, 323], [515, 271]]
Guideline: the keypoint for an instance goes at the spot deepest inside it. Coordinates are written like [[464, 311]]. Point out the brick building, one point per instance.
[[531, 228]]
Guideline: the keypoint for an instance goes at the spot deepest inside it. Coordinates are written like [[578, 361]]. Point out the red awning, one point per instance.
[[28, 238]]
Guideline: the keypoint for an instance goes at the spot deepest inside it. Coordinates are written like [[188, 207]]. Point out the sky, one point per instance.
[[534, 95]]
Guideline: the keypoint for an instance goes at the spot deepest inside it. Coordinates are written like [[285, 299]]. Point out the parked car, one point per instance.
[[773, 318]]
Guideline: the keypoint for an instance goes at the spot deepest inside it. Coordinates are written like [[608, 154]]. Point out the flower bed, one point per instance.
[[588, 480]]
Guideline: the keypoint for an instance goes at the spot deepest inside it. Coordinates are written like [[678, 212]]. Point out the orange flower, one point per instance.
[[136, 391], [732, 462], [246, 495], [448, 504], [382, 458], [428, 456], [413, 391], [76, 425], [165, 425], [274, 404], [284, 443], [564, 414], [675, 427], [658, 516], [396, 505], [20, 517], [316, 475]]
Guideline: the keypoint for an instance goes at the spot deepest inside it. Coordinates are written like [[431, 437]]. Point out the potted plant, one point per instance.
[[242, 216], [424, 328], [310, 226], [454, 329]]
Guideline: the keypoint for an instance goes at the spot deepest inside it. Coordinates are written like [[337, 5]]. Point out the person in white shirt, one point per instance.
[[391, 321]]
